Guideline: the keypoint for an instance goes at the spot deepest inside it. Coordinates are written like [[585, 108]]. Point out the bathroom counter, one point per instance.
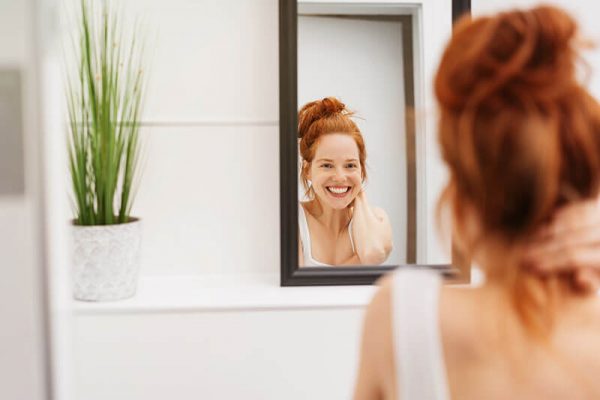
[[219, 293]]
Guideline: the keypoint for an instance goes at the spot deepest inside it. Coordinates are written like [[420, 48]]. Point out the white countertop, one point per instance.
[[157, 294]]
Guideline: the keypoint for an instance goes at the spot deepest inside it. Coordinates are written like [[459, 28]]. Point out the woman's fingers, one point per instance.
[[569, 249], [582, 264], [573, 217], [571, 243], [575, 229], [566, 258]]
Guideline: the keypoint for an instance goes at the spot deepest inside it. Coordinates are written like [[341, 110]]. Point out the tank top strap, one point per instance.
[[351, 239], [420, 368], [304, 233]]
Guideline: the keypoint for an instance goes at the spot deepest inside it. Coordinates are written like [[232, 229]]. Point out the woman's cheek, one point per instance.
[[356, 189], [357, 180]]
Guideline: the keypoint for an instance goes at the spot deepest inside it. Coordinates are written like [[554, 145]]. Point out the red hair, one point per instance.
[[519, 133], [323, 117]]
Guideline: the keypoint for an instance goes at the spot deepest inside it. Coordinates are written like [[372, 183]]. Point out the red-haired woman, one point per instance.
[[337, 225], [521, 139]]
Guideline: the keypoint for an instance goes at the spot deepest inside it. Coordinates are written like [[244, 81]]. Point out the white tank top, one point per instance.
[[309, 261], [419, 357]]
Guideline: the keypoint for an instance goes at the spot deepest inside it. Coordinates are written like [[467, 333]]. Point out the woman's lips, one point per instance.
[[338, 191]]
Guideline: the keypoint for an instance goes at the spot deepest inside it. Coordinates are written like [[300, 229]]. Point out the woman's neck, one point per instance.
[[332, 219]]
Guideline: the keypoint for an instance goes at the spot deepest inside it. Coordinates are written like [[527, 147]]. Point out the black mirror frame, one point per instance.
[[291, 275]]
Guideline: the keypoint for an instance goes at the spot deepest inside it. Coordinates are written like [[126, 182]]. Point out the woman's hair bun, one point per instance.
[[516, 55], [331, 105], [557, 29], [316, 110]]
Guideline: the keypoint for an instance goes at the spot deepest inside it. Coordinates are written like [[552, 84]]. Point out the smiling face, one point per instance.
[[335, 171]]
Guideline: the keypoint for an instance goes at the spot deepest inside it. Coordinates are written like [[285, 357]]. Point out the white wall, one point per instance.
[[209, 197], [254, 355]]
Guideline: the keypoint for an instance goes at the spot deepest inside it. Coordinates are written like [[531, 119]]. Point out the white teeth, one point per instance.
[[338, 190]]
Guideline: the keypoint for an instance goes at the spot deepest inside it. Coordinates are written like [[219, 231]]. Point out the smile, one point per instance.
[[338, 191]]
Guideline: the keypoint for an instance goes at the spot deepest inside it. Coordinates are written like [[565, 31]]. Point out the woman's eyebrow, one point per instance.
[[330, 160]]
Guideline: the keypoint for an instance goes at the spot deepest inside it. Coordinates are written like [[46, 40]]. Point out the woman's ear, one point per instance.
[[306, 169]]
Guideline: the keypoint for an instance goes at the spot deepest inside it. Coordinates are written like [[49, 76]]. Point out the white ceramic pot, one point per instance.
[[106, 261]]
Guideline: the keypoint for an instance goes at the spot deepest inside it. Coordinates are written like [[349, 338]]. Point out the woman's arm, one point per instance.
[[371, 232], [375, 379]]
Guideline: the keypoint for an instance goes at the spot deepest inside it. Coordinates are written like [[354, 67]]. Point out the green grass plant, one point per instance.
[[105, 87]]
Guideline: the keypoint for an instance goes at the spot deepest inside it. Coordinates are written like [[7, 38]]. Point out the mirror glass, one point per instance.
[[361, 58]]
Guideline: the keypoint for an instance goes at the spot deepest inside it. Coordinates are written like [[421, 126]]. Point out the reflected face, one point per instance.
[[335, 171]]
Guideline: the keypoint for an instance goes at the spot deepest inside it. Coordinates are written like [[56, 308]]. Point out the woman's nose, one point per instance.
[[339, 174]]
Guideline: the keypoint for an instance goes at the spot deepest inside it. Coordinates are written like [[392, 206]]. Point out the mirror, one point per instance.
[[355, 58], [354, 155]]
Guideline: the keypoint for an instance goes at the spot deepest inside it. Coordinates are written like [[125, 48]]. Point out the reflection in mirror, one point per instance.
[[356, 172]]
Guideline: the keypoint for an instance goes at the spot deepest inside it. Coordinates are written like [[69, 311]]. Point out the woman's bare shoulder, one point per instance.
[[463, 314], [378, 310], [376, 376], [458, 303]]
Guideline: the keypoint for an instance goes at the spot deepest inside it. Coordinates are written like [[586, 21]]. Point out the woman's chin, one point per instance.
[[338, 204]]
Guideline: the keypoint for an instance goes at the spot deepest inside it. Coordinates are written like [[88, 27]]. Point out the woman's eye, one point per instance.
[[326, 165], [351, 165]]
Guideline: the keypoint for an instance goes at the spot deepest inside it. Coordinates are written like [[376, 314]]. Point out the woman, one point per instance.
[[337, 225], [521, 138]]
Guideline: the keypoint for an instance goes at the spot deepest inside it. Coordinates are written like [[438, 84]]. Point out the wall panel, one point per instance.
[[209, 200]]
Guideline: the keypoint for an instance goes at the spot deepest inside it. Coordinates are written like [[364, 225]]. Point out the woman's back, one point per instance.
[[490, 354], [485, 351]]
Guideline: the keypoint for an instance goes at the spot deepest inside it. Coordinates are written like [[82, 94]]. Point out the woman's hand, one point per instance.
[[371, 232], [570, 244]]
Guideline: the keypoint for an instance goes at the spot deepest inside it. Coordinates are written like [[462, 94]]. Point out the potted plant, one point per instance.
[[104, 95]]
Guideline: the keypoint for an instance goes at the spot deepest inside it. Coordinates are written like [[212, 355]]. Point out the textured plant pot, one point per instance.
[[106, 261]]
